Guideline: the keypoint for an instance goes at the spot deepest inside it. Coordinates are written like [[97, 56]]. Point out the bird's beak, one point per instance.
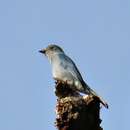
[[42, 51]]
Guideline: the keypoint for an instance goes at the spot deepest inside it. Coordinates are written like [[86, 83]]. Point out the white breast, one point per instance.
[[57, 71]]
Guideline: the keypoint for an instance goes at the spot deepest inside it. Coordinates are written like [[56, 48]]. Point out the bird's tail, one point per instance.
[[88, 90]]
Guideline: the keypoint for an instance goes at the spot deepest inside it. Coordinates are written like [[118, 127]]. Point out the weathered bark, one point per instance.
[[76, 112]]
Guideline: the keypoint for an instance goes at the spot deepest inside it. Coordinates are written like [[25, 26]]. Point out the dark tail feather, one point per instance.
[[92, 92]]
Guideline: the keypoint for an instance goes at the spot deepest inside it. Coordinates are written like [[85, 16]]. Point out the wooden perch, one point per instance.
[[76, 112]]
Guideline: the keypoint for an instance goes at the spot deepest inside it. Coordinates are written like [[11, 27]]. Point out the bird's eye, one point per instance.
[[52, 48]]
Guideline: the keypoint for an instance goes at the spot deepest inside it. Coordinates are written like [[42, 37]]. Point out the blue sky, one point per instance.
[[96, 34]]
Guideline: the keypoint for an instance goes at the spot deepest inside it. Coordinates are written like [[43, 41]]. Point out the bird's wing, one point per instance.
[[70, 66]]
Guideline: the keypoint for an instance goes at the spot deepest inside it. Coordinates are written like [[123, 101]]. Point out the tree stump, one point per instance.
[[75, 111]]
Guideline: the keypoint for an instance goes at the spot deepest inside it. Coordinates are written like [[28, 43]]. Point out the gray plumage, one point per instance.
[[64, 69]]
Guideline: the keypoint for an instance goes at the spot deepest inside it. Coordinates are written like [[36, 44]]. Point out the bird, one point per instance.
[[64, 69]]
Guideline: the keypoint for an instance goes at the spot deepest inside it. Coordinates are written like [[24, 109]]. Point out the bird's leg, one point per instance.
[[66, 82], [57, 82]]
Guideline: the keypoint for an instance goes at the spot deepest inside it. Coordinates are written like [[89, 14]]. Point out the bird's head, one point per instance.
[[51, 50]]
